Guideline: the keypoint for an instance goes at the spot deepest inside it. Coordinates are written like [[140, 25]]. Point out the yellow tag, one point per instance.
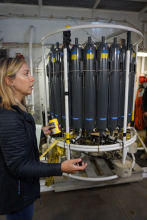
[[74, 56], [133, 54], [132, 115], [67, 137], [89, 56], [104, 55], [53, 59]]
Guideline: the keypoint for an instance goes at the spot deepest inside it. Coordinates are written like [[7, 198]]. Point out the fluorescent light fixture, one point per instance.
[[141, 54]]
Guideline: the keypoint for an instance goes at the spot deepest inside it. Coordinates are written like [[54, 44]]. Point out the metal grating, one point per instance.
[[122, 5], [27, 2], [70, 3]]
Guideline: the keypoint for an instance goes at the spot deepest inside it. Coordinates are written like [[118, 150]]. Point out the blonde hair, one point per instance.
[[9, 68]]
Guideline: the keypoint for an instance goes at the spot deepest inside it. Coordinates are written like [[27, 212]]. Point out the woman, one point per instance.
[[20, 167]]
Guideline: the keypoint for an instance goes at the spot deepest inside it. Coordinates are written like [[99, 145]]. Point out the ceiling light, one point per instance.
[[141, 54]]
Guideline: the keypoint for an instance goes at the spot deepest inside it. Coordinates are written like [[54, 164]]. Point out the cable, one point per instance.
[[92, 155], [84, 29], [114, 156]]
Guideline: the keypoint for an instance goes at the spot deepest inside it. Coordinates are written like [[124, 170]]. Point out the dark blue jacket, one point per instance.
[[20, 167], [144, 100]]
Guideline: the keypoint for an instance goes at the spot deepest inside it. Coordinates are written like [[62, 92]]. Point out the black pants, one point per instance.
[[145, 121]]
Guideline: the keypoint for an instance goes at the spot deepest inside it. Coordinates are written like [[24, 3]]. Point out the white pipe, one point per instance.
[[142, 65], [96, 26], [30, 62], [128, 142], [140, 148], [142, 54], [95, 148], [66, 98], [91, 179], [145, 35], [133, 163], [145, 148], [45, 89], [126, 103], [103, 146]]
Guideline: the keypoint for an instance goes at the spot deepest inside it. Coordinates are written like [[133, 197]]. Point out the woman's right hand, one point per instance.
[[72, 166], [145, 114]]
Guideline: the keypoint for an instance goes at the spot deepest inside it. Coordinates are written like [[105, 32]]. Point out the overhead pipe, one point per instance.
[[121, 27], [31, 63]]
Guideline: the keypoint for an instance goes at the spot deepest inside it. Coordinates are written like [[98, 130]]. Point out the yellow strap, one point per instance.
[[54, 144], [49, 148]]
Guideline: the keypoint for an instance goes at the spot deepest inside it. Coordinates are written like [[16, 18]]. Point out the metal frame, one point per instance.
[[103, 147]]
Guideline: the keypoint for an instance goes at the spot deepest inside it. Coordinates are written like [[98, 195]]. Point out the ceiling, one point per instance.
[[123, 5]]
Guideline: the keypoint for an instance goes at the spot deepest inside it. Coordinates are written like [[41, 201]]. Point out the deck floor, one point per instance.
[[119, 202]]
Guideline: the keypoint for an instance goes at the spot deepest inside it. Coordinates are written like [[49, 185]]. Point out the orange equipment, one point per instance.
[[139, 121], [142, 79]]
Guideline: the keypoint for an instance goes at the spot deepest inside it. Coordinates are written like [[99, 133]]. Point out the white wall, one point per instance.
[[17, 30]]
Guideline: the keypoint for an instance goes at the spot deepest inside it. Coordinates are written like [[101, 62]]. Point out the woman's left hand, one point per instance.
[[47, 129]]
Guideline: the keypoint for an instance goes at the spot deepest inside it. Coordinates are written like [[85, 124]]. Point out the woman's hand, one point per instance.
[[47, 129], [72, 166], [145, 114]]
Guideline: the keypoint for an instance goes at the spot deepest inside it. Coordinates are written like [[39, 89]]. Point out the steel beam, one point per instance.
[[142, 12], [96, 4]]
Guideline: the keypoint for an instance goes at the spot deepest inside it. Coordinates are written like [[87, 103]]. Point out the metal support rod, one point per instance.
[[126, 103], [30, 62], [66, 100], [134, 94], [45, 89], [126, 95], [128, 40], [96, 4], [142, 65]]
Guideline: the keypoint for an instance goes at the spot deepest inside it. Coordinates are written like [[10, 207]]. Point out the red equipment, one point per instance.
[[20, 56], [142, 79]]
